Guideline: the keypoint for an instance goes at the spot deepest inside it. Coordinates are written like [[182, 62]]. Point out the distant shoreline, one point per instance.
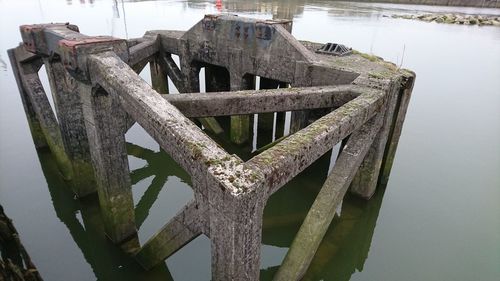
[[457, 3]]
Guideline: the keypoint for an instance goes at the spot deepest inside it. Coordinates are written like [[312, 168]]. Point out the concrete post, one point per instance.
[[366, 180], [159, 78], [65, 93], [397, 127], [240, 125], [105, 122], [235, 233]]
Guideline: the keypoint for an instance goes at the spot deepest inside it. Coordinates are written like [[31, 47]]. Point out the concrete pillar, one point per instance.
[[105, 121], [404, 96], [240, 125], [236, 235], [366, 179], [159, 78], [33, 122], [39, 111], [65, 93], [190, 71]]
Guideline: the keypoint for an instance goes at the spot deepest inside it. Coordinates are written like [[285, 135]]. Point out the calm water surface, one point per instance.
[[438, 218]]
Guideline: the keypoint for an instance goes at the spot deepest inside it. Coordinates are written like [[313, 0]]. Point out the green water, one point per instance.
[[438, 218]]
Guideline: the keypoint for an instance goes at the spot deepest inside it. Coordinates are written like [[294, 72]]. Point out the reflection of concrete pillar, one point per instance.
[[345, 247], [105, 122], [65, 93]]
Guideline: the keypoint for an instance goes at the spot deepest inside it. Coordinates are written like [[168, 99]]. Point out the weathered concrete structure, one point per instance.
[[356, 99]]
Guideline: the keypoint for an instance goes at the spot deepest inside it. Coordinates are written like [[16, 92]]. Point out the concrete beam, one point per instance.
[[260, 101], [286, 159], [145, 51], [173, 71], [175, 133], [404, 97]]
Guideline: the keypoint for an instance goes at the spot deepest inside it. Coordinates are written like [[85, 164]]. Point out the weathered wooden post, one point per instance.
[[33, 122], [105, 121]]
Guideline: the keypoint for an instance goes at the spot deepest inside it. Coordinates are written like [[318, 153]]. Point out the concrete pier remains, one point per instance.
[[353, 99]]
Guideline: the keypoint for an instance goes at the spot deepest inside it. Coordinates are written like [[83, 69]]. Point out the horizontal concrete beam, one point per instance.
[[144, 51], [260, 101], [286, 159], [187, 144]]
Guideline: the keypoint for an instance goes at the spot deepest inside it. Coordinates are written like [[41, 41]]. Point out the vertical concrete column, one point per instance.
[[240, 125], [159, 78], [216, 79], [397, 126], [66, 95], [33, 122], [299, 119], [190, 71], [105, 121], [365, 182], [236, 235]]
